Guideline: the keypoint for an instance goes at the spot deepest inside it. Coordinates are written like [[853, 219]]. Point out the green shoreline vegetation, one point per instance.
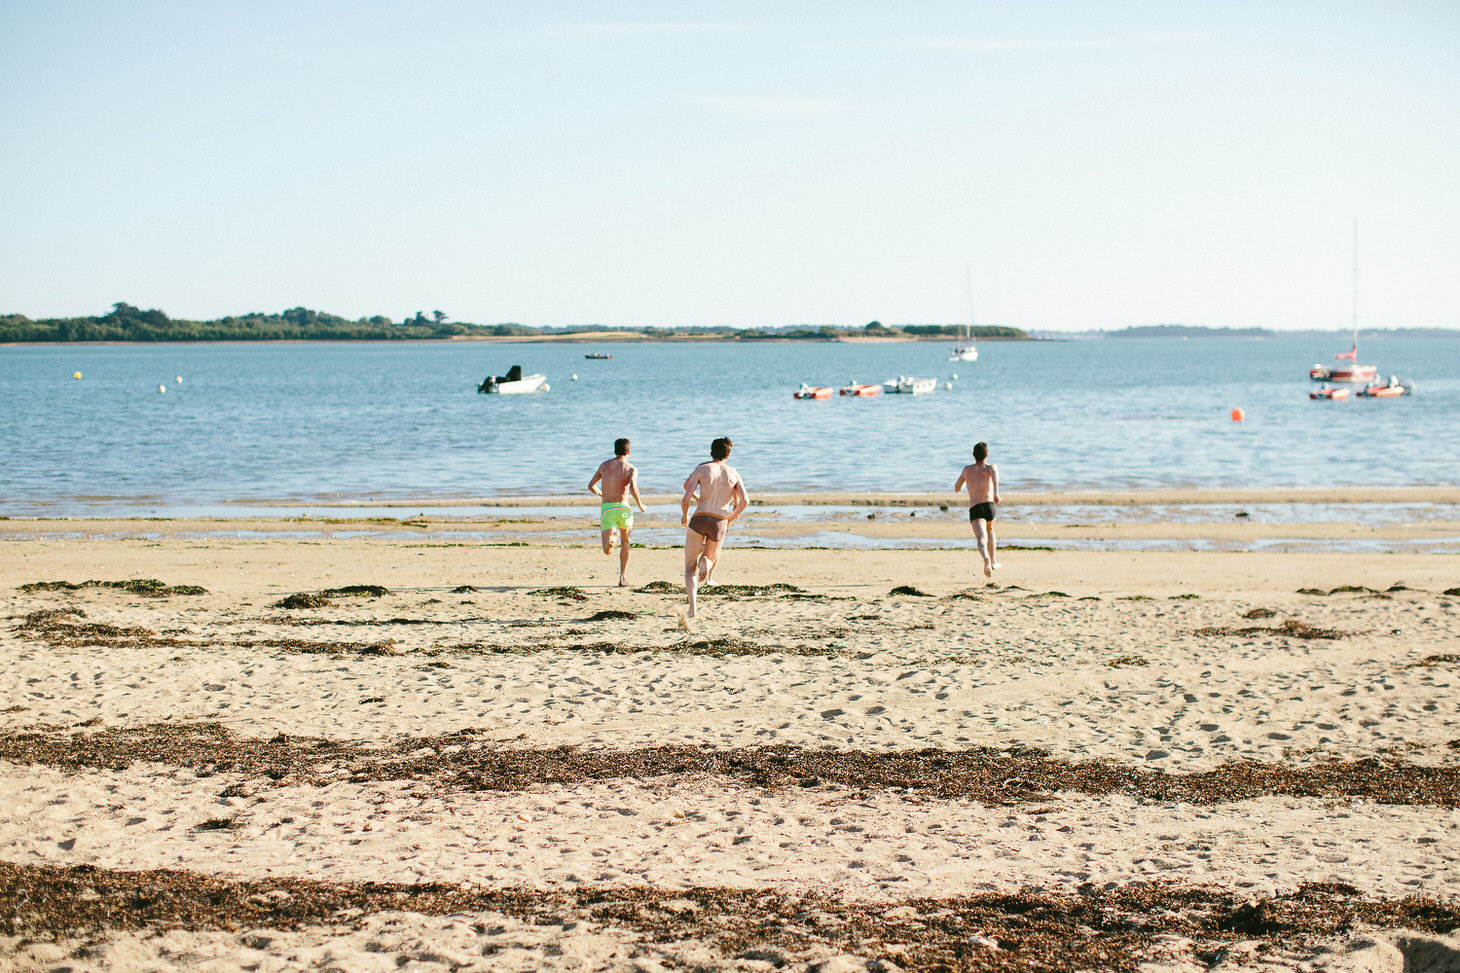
[[127, 323]]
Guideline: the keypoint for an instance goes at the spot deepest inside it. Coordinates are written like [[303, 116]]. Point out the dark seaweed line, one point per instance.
[[985, 774], [1040, 929]]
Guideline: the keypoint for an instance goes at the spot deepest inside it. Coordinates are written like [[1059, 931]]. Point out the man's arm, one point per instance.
[[962, 475], [593, 483], [994, 482], [634, 489], [689, 496], [742, 500]]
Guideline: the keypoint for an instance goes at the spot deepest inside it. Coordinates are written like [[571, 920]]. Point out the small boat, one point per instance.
[[1387, 390], [514, 383], [906, 385], [601, 356], [1329, 392], [856, 389], [812, 392], [1353, 373], [966, 350]]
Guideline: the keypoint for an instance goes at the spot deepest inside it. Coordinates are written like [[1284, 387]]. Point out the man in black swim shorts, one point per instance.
[[982, 480]]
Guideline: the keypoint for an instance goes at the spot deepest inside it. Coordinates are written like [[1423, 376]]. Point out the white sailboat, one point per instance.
[[1352, 372], [966, 350]]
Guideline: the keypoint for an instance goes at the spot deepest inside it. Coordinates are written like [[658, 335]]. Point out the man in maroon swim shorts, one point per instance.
[[721, 498]]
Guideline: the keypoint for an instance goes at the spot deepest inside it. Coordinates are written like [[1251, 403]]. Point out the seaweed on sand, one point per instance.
[[149, 587], [568, 593], [910, 591], [303, 600], [1111, 930], [357, 590], [1291, 628], [984, 774]]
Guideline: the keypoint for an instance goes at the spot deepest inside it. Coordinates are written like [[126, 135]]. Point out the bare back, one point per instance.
[[718, 485], [618, 478], [982, 481]]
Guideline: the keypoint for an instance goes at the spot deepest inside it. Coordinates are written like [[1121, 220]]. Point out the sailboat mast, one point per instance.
[[1356, 290], [968, 285]]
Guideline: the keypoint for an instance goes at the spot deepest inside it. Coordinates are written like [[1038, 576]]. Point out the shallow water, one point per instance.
[[325, 423]]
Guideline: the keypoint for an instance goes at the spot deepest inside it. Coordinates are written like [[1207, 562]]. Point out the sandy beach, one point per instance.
[[383, 741]]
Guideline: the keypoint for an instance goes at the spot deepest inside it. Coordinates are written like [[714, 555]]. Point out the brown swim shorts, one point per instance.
[[708, 526]]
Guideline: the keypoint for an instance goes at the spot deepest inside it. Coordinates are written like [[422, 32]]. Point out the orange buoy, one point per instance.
[[1238, 415]]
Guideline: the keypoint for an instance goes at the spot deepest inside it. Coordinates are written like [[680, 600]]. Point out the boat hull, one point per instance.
[[1335, 395], [524, 386], [862, 390], [812, 392], [1349, 374]]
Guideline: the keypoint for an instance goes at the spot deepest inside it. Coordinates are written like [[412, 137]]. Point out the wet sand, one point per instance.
[[487, 756]]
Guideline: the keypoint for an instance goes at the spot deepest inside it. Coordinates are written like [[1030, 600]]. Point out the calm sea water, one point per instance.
[[320, 422]]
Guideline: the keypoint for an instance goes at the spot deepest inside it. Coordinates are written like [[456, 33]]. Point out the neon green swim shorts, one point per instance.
[[616, 514]]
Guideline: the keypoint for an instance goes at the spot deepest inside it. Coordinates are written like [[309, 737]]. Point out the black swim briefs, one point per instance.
[[981, 511]]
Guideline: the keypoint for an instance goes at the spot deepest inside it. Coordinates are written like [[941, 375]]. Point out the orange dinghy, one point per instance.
[[1386, 390], [812, 392], [855, 389], [1329, 392]]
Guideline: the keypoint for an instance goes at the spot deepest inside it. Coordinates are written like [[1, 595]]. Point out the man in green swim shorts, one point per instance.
[[619, 478]]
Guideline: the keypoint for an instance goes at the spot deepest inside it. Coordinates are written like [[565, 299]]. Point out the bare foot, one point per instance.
[[988, 571], [622, 581], [707, 568]]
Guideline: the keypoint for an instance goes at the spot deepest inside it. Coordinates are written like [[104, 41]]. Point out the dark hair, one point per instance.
[[620, 447], [720, 448], [980, 450]]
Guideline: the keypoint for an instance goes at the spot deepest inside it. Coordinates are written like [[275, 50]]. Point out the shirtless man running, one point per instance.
[[722, 497], [982, 480], [619, 477]]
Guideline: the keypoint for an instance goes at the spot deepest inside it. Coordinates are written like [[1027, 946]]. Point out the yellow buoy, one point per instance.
[[1238, 415], [76, 375]]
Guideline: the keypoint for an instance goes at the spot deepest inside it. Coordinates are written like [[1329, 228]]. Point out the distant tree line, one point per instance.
[[127, 323]]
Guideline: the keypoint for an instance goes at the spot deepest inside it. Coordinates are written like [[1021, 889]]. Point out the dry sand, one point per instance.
[[1179, 759]]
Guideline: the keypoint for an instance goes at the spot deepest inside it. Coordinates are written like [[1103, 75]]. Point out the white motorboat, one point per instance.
[[514, 383], [906, 385]]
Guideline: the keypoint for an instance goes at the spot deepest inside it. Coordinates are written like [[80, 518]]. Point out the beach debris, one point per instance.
[[463, 589], [568, 593], [150, 587], [660, 588], [1291, 627], [1047, 594], [359, 590], [1429, 661], [612, 614], [449, 763], [1128, 660], [303, 600], [910, 591], [1259, 613], [1103, 930], [1452, 592]]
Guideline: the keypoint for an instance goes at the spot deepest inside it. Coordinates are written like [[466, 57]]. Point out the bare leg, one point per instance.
[[623, 557], [978, 529], [608, 541], [693, 545], [708, 557], [993, 561]]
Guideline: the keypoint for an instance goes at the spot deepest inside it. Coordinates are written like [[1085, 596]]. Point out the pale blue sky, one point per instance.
[[1095, 164]]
